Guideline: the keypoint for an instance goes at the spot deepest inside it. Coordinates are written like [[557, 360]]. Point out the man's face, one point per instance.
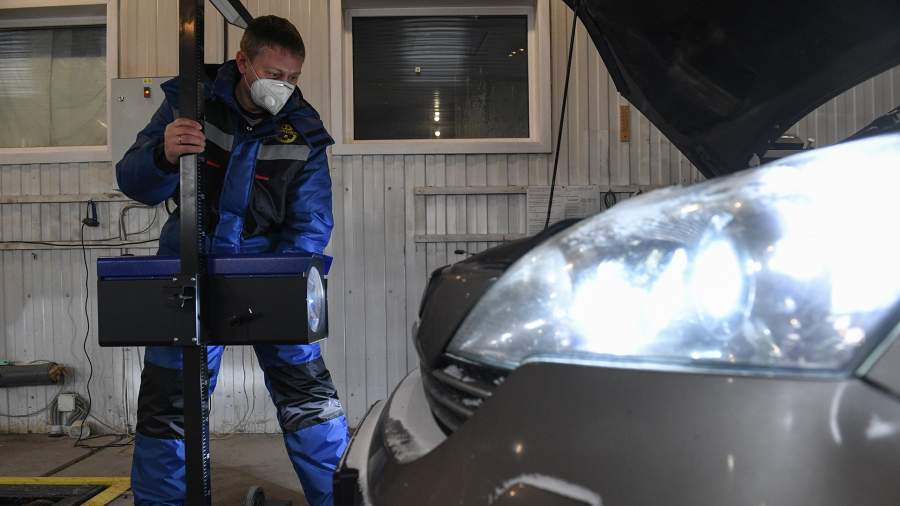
[[270, 63]]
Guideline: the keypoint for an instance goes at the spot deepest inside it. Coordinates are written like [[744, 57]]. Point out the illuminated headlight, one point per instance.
[[315, 299], [784, 268]]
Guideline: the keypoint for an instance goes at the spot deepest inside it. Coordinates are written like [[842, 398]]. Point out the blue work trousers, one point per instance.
[[309, 412]]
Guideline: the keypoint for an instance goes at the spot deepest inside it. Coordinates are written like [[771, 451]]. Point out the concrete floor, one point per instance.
[[239, 461]]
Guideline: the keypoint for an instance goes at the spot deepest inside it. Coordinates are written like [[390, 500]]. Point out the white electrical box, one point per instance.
[[65, 403], [133, 103]]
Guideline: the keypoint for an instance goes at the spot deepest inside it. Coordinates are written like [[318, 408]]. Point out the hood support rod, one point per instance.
[[562, 112]]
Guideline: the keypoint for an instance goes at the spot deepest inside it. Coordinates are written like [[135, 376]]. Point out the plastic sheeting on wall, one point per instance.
[[53, 87]]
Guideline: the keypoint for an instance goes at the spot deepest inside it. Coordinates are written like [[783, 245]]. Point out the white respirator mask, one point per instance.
[[270, 94]]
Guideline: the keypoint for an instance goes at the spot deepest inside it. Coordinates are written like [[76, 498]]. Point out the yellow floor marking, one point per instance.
[[115, 485]]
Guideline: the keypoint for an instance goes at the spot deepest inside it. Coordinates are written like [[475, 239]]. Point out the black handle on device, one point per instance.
[[249, 316]]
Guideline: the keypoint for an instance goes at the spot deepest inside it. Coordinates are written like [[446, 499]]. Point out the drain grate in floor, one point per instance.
[[47, 495], [60, 491]]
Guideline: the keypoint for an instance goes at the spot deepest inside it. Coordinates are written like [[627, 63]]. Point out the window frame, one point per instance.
[[539, 82], [67, 154]]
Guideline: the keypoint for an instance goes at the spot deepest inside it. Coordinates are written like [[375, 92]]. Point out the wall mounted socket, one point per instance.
[[65, 403]]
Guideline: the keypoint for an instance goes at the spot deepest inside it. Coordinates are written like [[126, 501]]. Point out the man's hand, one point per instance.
[[183, 136]]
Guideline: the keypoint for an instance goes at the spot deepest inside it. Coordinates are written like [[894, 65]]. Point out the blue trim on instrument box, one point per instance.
[[150, 267]]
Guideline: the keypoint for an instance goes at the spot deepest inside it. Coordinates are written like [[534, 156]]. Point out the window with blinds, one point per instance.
[[440, 77]]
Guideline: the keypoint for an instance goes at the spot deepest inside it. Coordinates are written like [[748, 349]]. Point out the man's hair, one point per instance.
[[272, 32]]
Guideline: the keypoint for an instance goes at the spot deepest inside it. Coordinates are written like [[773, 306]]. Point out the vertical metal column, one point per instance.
[[196, 426], [193, 264]]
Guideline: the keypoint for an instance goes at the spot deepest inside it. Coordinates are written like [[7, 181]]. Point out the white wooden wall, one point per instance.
[[386, 240], [42, 295]]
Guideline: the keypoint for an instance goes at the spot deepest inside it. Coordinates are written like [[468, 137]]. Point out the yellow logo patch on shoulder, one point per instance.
[[287, 134]]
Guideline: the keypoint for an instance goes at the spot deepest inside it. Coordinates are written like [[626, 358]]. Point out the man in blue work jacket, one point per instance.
[[269, 190]]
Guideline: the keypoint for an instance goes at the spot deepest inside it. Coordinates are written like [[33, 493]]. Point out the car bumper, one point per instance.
[[350, 480], [401, 428], [557, 434]]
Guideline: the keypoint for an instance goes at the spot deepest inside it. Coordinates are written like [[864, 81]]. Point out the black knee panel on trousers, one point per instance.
[[161, 403], [304, 394]]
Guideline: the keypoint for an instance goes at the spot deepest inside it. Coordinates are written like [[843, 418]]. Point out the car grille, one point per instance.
[[456, 389]]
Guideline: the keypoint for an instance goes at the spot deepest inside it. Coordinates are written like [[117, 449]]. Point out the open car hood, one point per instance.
[[722, 80]]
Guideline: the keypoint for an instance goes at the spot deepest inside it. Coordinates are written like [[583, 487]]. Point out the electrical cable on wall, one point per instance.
[[90, 401], [36, 412], [250, 400], [80, 413], [71, 244], [92, 221], [83, 413], [562, 113], [609, 198], [123, 230], [87, 333], [91, 217]]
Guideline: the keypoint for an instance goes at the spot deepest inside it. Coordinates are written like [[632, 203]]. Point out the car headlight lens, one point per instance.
[[315, 299], [784, 268]]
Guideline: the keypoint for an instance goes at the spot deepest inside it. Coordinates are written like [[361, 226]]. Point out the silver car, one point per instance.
[[731, 342]]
